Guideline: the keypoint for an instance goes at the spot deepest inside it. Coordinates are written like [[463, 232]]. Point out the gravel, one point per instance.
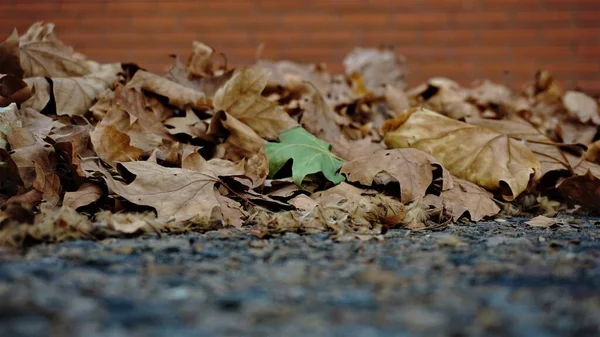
[[485, 279]]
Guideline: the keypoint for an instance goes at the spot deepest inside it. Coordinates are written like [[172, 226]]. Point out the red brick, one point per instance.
[[588, 51], [449, 37], [421, 21], [509, 36], [521, 4], [480, 19], [542, 52], [365, 19], [571, 35], [587, 18], [542, 19]]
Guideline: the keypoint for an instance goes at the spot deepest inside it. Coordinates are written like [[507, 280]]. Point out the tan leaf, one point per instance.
[[593, 152], [303, 203], [199, 63], [8, 119], [190, 125], [581, 107], [574, 132], [44, 55], [378, 68], [242, 141], [257, 168], [208, 85], [444, 96], [485, 157], [10, 60], [240, 97], [37, 168], [396, 100], [466, 197], [320, 119], [113, 145], [13, 90], [550, 154], [86, 194], [74, 95], [354, 149], [219, 167], [127, 222], [176, 194], [541, 221], [233, 213], [411, 168], [177, 94]]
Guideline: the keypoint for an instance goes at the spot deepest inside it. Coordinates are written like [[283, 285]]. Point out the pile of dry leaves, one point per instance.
[[92, 150]]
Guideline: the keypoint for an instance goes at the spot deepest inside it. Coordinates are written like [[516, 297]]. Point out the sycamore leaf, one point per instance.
[[10, 61], [13, 90], [466, 197], [44, 55], [477, 154], [378, 67], [71, 95], [581, 107], [176, 194], [240, 97], [86, 194], [242, 141], [177, 94], [8, 119], [583, 190], [411, 168], [308, 154], [113, 145]]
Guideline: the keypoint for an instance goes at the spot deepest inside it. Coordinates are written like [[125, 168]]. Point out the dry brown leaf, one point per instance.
[[8, 119], [13, 89], [542, 221], [42, 54], [73, 96], [86, 194], [377, 68], [550, 154], [10, 60], [303, 203], [37, 169], [466, 197], [574, 132], [113, 145], [208, 85], [444, 96], [593, 152], [411, 168], [583, 190], [233, 213], [127, 222], [242, 141], [396, 99], [581, 107], [320, 119], [176, 194], [240, 97], [190, 125], [480, 155], [177, 94]]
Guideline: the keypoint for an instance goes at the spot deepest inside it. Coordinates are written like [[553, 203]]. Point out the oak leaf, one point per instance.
[[308, 155], [412, 169], [176, 194], [42, 54], [483, 156], [240, 97], [177, 94], [378, 67], [581, 107], [468, 198], [86, 194], [71, 95], [13, 90]]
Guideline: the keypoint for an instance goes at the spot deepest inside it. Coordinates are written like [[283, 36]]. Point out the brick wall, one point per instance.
[[504, 40]]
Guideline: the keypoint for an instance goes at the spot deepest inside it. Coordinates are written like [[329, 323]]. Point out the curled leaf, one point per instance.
[[483, 156]]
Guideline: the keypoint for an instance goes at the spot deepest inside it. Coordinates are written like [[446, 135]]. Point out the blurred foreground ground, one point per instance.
[[489, 279]]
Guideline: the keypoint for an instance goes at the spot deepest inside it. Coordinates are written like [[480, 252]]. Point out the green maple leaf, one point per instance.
[[308, 154]]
